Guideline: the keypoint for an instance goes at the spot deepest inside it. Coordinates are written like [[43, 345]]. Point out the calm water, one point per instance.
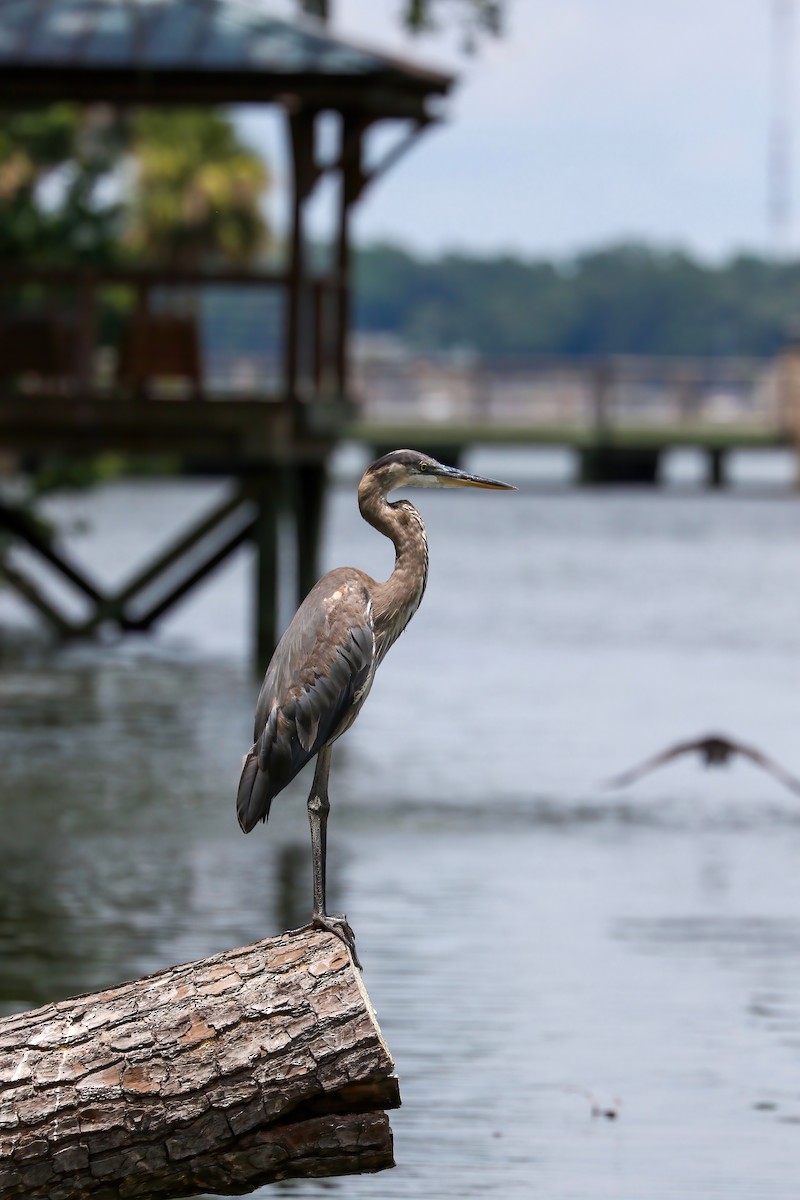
[[532, 943]]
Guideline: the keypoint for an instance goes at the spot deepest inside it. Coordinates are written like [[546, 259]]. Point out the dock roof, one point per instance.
[[197, 52]]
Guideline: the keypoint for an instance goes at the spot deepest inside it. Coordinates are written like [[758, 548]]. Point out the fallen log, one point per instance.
[[254, 1065]]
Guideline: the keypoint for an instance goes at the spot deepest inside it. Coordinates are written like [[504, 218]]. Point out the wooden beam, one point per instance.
[[386, 95], [113, 607], [185, 585], [20, 524], [352, 181], [305, 174], [309, 486], [30, 592], [268, 494], [396, 152], [233, 430], [167, 275], [254, 1065]]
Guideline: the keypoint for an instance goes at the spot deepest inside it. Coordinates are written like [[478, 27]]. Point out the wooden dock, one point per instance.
[[64, 400], [619, 415], [275, 446], [112, 359]]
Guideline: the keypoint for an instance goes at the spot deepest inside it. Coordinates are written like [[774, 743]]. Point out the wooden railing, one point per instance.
[[140, 332]]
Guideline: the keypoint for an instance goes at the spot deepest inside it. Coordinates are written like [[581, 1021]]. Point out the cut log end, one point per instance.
[[258, 1064]]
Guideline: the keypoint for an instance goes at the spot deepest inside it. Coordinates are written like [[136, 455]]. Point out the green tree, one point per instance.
[[53, 164], [82, 186], [197, 192], [627, 299]]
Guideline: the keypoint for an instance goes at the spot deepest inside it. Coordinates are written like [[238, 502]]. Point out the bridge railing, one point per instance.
[[575, 394]]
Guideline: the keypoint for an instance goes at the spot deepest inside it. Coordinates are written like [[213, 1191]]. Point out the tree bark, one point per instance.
[[254, 1065]]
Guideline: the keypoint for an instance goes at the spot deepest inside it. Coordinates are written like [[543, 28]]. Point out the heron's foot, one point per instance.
[[340, 927]]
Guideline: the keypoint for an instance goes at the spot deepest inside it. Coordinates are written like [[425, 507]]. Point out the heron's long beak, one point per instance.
[[450, 477]]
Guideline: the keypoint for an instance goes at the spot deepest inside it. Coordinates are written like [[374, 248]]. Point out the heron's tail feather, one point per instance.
[[253, 799]]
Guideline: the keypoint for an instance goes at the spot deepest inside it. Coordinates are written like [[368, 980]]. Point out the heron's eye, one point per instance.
[[422, 467]]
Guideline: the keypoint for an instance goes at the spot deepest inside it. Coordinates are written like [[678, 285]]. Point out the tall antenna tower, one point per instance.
[[779, 163]]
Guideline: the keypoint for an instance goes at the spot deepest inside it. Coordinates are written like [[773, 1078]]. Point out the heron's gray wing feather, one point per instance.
[[650, 764], [769, 764], [252, 800], [311, 689]]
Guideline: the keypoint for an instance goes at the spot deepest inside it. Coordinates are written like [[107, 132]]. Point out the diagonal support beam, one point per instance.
[[251, 513], [179, 590], [30, 592], [19, 523], [113, 608]]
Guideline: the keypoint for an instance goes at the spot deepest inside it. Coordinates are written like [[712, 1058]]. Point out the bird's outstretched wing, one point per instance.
[[650, 764], [761, 760], [318, 675]]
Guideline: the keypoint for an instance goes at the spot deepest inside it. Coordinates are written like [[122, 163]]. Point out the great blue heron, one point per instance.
[[715, 750], [323, 666]]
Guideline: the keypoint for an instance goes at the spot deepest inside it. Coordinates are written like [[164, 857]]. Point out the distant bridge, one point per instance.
[[268, 419], [618, 413]]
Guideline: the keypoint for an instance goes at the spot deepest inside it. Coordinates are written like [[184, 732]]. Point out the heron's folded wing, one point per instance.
[[321, 666]]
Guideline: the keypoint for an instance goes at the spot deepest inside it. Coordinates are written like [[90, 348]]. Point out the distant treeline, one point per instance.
[[627, 299]]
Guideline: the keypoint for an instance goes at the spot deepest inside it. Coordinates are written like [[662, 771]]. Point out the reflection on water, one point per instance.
[[535, 946]]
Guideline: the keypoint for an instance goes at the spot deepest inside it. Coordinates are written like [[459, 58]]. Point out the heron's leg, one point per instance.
[[318, 809]]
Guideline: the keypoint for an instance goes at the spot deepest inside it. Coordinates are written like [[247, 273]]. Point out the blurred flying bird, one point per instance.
[[323, 666], [715, 750]]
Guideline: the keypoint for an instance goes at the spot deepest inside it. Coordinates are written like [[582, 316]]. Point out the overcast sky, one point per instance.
[[589, 121]]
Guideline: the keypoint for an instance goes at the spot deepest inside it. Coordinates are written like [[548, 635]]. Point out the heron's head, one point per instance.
[[410, 468]]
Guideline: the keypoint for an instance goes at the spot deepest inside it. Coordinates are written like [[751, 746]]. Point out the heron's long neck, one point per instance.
[[396, 600]]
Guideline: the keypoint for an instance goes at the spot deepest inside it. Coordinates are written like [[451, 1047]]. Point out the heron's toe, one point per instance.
[[340, 927]]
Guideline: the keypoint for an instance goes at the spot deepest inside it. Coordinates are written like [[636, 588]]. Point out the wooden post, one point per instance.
[[304, 176], [308, 502], [86, 333], [716, 467], [268, 497], [788, 381], [352, 183], [254, 1065], [606, 463], [139, 337], [601, 384]]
